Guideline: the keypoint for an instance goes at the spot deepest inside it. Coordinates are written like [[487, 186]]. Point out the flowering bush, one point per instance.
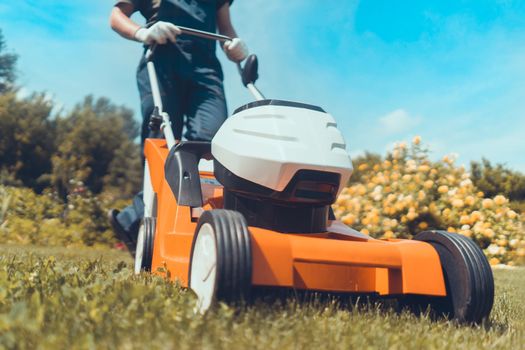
[[407, 193]]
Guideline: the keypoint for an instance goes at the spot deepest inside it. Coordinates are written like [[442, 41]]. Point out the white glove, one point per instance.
[[158, 33], [236, 50]]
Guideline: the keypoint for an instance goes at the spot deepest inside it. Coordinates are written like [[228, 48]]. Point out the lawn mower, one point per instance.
[[262, 217]]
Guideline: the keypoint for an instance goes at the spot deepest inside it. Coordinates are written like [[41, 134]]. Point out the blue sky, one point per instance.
[[450, 71]]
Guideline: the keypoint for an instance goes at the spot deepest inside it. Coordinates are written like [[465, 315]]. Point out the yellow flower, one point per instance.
[[365, 231], [451, 229], [511, 214], [494, 261], [500, 200], [388, 234], [487, 203], [428, 184], [348, 219], [411, 215], [446, 212], [466, 233], [362, 167], [480, 194], [423, 168], [421, 195], [465, 220], [458, 203], [489, 233], [396, 154], [448, 159], [475, 216], [416, 140], [502, 242], [443, 189], [423, 225], [470, 200], [407, 178]]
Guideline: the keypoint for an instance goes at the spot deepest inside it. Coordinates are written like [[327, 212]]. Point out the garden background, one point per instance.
[[411, 82]]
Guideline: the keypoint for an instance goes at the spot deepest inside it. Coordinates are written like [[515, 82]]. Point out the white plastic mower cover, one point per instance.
[[268, 144]]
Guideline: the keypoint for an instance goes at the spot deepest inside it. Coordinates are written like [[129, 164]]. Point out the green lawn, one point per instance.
[[55, 298]]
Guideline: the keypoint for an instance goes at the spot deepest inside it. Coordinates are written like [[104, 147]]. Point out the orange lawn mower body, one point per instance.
[[338, 260], [262, 217]]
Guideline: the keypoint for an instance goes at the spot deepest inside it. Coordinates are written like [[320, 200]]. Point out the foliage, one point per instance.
[[62, 299], [29, 218], [5, 198], [7, 67], [494, 180], [27, 139], [370, 159], [91, 147], [95, 149], [407, 193]]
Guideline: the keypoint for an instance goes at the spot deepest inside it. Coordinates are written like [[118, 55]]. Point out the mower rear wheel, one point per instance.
[[468, 277], [145, 240], [221, 259]]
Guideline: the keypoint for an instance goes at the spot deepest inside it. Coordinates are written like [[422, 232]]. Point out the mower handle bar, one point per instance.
[[194, 32]]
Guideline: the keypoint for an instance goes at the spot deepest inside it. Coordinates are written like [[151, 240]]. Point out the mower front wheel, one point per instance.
[[468, 277], [145, 240], [221, 259]]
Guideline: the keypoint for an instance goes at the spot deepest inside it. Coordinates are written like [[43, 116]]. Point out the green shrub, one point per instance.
[[498, 179], [30, 218]]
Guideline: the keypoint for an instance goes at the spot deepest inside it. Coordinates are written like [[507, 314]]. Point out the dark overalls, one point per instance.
[[190, 79]]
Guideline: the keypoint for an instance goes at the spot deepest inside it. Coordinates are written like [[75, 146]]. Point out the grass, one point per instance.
[[59, 298]]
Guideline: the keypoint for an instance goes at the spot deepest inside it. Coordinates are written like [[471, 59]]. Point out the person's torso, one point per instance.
[[196, 14]]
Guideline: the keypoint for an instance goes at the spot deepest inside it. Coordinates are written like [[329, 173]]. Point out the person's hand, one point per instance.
[[236, 50], [158, 33]]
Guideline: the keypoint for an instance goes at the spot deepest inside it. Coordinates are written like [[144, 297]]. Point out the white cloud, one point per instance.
[[397, 121]]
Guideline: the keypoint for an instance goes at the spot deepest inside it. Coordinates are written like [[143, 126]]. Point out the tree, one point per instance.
[[27, 137], [96, 148], [7, 67], [498, 179]]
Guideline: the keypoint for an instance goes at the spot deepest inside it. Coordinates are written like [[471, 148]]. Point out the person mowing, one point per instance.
[[189, 73]]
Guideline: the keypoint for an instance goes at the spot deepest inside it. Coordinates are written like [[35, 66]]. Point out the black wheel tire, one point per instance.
[[233, 254], [468, 277], [149, 225]]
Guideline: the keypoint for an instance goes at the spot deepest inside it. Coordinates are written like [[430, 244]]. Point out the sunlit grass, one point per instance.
[[63, 298]]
